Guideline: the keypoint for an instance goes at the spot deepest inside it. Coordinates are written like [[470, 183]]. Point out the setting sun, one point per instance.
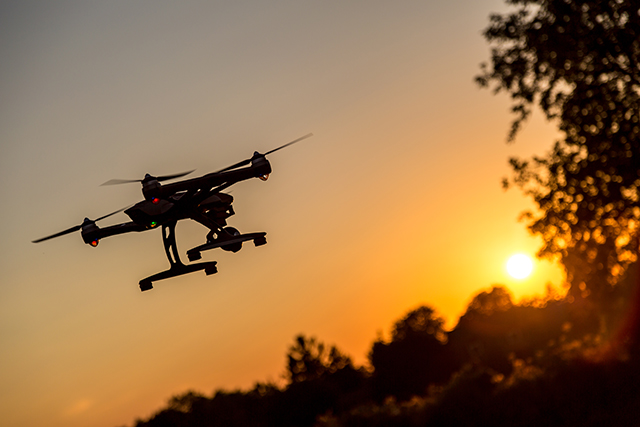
[[519, 266]]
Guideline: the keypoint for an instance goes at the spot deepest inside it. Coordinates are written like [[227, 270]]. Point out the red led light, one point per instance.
[[94, 243], [155, 200]]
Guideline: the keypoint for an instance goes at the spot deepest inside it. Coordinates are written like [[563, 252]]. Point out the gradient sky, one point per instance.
[[395, 202]]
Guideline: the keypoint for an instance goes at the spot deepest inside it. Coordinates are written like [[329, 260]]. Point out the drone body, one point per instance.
[[199, 199]]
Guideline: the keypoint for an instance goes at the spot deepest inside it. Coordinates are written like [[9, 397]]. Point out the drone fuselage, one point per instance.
[[200, 199]]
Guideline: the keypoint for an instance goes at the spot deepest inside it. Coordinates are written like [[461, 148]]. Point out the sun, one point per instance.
[[519, 266]]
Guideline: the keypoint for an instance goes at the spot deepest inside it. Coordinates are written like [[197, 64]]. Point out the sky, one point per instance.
[[395, 202]]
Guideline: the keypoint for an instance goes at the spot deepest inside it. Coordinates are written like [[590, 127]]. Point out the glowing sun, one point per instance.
[[519, 266]]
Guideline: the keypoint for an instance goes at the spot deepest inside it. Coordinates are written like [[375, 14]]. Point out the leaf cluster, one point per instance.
[[308, 359]]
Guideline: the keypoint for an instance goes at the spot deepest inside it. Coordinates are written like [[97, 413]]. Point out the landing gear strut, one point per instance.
[[177, 267]]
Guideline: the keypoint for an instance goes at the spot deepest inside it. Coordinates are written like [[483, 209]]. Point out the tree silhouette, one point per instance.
[[580, 63], [413, 359], [309, 359], [321, 379], [497, 299], [497, 334], [504, 363]]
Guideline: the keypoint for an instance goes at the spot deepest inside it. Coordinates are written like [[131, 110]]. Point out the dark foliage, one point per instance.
[[321, 381], [546, 362], [310, 360], [579, 61], [563, 370], [414, 359], [494, 332]]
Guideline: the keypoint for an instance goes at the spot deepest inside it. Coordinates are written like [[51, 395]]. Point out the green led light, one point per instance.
[[153, 224]]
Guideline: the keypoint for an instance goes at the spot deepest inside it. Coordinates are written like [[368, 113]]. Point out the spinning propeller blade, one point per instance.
[[147, 177], [246, 162], [174, 176], [237, 165], [62, 233], [77, 227], [288, 144], [120, 181]]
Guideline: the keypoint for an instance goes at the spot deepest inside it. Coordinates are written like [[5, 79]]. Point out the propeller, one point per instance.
[[247, 161], [147, 177], [77, 227]]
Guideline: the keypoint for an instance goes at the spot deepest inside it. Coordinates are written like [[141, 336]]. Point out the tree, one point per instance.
[[309, 359], [497, 299], [498, 335], [421, 322], [413, 359], [579, 61], [323, 379]]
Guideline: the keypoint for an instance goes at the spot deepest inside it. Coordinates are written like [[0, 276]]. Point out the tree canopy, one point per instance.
[[309, 359], [579, 62]]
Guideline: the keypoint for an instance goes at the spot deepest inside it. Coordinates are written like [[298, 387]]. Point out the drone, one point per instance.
[[198, 199]]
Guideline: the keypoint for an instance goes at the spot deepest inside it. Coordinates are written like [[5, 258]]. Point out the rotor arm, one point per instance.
[[113, 230], [260, 166]]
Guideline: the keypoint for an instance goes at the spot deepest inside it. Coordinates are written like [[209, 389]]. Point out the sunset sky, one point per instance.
[[394, 202]]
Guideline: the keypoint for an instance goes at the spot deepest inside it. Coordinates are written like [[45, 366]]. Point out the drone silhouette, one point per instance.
[[199, 199]]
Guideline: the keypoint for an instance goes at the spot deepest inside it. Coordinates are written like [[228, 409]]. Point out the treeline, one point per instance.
[[549, 361]]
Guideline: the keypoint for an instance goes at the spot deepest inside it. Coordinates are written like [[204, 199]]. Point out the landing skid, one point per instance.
[[177, 267], [178, 270], [259, 239]]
